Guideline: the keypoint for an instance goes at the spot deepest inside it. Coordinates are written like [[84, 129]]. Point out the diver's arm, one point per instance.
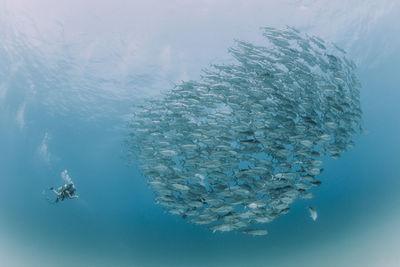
[[74, 196], [56, 192]]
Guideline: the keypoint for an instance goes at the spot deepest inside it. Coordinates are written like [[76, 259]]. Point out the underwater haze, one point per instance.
[[74, 73]]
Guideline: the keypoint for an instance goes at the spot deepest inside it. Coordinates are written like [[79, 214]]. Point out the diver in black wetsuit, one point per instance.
[[66, 191]]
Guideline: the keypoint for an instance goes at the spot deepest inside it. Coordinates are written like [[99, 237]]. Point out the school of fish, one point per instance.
[[236, 148]]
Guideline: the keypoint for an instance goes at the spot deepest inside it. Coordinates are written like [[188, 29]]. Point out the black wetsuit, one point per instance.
[[66, 192]]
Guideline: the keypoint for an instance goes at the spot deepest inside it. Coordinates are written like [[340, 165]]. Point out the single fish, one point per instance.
[[313, 213]]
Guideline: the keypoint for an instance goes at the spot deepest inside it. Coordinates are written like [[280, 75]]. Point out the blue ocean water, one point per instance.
[[70, 75]]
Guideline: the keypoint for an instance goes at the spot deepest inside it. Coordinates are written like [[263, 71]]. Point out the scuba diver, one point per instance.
[[66, 191]]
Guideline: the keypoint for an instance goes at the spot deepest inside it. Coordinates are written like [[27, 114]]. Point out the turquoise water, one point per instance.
[[70, 76]]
